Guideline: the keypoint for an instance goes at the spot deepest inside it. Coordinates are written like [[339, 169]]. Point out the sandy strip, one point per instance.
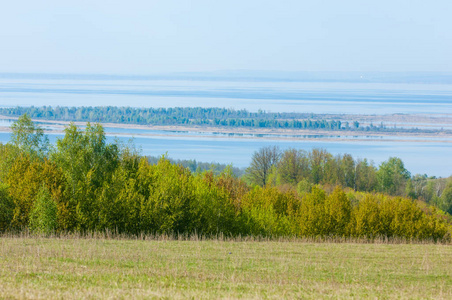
[[270, 133]]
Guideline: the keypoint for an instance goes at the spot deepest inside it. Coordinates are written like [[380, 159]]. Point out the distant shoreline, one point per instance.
[[268, 133]]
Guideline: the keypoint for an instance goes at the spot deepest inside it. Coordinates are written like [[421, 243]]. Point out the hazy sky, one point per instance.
[[145, 37]]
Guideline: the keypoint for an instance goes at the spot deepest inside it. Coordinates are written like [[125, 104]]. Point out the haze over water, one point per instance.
[[274, 96]]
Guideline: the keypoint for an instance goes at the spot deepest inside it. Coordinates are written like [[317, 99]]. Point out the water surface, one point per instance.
[[433, 158], [424, 158], [351, 98]]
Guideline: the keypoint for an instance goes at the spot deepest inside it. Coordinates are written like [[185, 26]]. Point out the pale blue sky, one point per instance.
[[145, 37]]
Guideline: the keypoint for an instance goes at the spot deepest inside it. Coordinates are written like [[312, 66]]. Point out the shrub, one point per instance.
[[43, 216], [6, 208]]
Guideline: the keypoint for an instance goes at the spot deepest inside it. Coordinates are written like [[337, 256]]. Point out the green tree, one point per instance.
[[365, 176], [312, 213], [87, 162], [409, 189], [293, 166], [446, 198], [6, 208], [319, 159], [261, 163], [29, 137], [266, 211], [338, 210], [43, 216], [24, 180], [347, 165], [167, 208], [392, 176]]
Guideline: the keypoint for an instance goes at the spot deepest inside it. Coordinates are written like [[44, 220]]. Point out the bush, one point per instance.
[[6, 208], [43, 216]]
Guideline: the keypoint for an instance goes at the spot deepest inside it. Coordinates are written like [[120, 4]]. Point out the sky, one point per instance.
[[148, 37]]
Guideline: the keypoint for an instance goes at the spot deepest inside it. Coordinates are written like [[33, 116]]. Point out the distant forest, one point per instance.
[[185, 116]]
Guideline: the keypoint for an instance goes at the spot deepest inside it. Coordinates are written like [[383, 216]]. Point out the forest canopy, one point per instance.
[[84, 184]]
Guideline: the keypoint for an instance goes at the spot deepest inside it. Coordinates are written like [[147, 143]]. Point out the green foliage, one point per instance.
[[87, 184], [25, 178], [29, 137], [88, 164], [304, 187], [8, 155], [293, 166], [6, 208], [381, 215], [178, 116], [409, 189], [199, 116], [262, 162], [312, 213], [446, 198], [212, 210], [200, 167], [366, 218], [269, 212], [392, 176], [167, 208], [338, 211], [43, 216], [365, 176]]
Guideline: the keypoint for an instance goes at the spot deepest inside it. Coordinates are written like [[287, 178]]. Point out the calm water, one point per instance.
[[269, 96], [433, 158]]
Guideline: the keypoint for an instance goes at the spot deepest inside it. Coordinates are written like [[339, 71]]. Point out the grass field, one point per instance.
[[72, 268]]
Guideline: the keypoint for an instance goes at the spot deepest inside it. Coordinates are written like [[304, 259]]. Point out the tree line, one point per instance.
[[199, 116], [176, 116], [84, 184], [301, 170], [200, 167]]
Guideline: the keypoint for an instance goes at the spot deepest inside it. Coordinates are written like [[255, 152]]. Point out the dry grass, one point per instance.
[[71, 268]]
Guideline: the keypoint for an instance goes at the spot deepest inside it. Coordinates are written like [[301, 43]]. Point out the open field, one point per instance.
[[105, 268]]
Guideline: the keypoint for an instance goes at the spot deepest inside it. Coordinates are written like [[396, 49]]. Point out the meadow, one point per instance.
[[72, 267]]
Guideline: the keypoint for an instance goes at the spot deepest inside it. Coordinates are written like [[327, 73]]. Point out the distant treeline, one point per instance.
[[85, 184], [177, 116], [197, 116], [200, 167]]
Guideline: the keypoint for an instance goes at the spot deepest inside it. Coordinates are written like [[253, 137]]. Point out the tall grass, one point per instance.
[[110, 235]]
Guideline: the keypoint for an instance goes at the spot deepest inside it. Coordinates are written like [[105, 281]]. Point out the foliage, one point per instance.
[[446, 198], [24, 180], [88, 164], [43, 216], [392, 176], [293, 166], [6, 208], [178, 116], [200, 167], [198, 116], [88, 185], [261, 163], [269, 212], [29, 137]]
